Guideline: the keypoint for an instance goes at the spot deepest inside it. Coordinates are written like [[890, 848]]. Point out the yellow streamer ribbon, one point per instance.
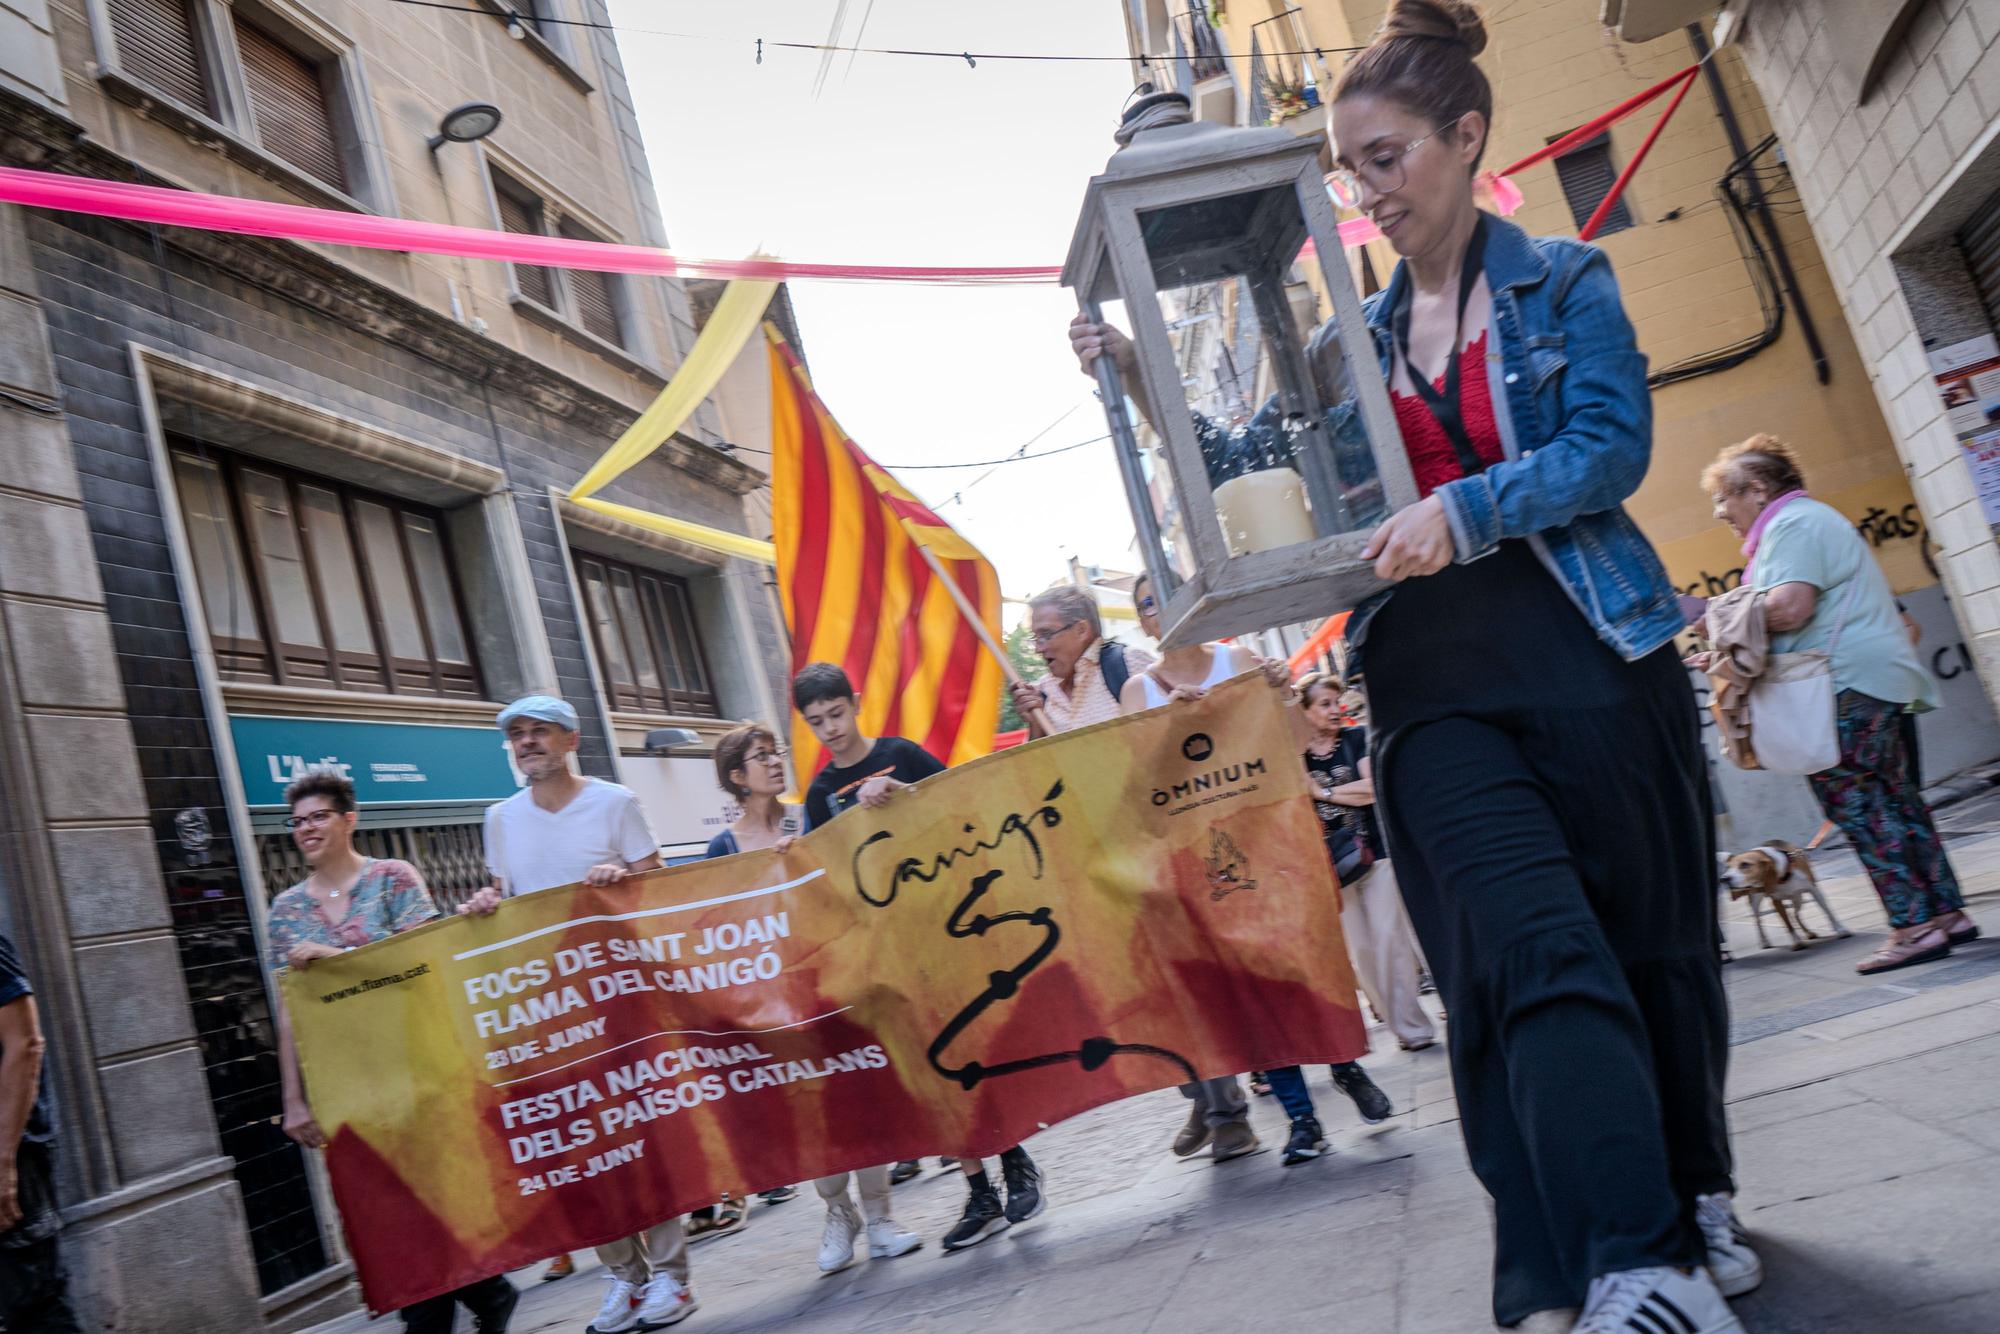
[[715, 539], [736, 317]]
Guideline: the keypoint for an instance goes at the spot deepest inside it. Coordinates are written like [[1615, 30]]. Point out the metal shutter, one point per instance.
[[1980, 239], [596, 303], [156, 45], [519, 215], [1587, 176], [289, 102]]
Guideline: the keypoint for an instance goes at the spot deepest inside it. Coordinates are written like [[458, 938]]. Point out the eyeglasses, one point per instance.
[[1149, 604], [1384, 171], [1041, 637], [310, 820], [766, 756]]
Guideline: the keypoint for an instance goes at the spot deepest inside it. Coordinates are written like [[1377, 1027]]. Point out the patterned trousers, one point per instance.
[[1874, 797]]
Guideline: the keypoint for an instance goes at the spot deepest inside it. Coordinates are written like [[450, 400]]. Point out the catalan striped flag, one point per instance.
[[858, 592]]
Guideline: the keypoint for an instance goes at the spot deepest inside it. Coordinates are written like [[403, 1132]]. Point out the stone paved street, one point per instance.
[[1866, 1118]]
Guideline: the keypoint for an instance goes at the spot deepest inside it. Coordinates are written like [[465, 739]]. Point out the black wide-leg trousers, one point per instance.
[[1558, 866]]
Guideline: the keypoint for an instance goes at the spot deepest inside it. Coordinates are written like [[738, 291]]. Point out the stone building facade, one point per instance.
[[1890, 114], [266, 506]]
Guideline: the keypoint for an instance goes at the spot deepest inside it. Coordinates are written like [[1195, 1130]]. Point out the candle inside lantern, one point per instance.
[[1263, 510]]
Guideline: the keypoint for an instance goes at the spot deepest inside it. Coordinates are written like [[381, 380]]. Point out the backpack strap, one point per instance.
[[1111, 662]]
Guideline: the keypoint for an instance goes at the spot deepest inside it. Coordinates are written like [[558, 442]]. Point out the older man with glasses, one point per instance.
[[1086, 670]]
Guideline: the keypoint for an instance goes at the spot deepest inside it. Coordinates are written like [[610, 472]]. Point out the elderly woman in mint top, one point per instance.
[[1821, 580], [1536, 747], [348, 901]]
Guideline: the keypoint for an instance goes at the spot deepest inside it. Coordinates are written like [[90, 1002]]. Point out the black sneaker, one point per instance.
[[1370, 1101], [983, 1217], [1024, 1186], [780, 1194], [905, 1170], [1308, 1141]]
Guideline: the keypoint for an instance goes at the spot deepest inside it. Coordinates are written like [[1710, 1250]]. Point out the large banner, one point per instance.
[[1014, 942]]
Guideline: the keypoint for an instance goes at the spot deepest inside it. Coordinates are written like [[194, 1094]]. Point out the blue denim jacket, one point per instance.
[[1576, 422]]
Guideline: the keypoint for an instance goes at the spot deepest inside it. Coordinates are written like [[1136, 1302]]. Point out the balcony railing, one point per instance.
[[1283, 82]]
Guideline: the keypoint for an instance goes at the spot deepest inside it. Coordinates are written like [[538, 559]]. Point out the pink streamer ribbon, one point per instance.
[[297, 222]]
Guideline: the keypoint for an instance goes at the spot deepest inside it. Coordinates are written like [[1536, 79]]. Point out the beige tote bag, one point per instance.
[[1794, 722]]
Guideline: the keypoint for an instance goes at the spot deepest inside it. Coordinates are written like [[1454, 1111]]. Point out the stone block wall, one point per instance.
[[1885, 184]]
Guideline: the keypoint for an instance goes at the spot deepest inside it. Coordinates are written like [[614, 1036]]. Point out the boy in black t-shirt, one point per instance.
[[869, 771]]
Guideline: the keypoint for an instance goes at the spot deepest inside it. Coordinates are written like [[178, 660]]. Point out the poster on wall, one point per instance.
[[1968, 378]]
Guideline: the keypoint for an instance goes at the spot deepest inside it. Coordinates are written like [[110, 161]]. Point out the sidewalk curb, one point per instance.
[[1961, 786]]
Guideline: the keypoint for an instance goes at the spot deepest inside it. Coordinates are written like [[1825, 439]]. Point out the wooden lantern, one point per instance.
[[1195, 231]]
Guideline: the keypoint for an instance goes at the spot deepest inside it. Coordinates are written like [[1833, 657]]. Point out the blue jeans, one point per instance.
[[1289, 1087]]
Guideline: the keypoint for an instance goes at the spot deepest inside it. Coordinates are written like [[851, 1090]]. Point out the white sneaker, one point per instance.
[[886, 1240], [1560, 1320], [1648, 1301], [1734, 1266], [836, 1244], [665, 1301], [620, 1310]]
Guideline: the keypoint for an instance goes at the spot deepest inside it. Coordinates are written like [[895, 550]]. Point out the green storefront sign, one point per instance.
[[402, 763]]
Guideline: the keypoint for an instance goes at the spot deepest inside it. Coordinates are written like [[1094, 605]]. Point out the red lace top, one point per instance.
[[1432, 459]]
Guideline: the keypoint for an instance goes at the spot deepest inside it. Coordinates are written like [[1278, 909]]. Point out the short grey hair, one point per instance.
[[1072, 604]]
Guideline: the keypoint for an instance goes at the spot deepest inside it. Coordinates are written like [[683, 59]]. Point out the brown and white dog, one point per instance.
[[1778, 872]]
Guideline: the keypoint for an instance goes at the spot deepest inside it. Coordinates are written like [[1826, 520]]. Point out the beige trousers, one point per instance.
[[874, 1185], [1383, 948], [638, 1259]]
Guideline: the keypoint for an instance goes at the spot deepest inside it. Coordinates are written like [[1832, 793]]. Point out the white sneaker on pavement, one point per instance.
[[665, 1301], [836, 1244], [1734, 1266], [886, 1240], [620, 1310], [1648, 1301]]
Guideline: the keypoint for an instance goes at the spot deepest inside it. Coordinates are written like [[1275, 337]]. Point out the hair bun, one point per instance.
[[1449, 20]]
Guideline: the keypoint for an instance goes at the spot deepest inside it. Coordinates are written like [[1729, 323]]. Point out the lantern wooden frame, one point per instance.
[[1190, 163]]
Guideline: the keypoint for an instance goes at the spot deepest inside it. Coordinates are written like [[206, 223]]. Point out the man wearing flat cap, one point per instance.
[[560, 829]]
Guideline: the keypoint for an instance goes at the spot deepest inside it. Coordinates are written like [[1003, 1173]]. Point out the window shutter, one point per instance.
[[596, 303], [1587, 176], [289, 102], [518, 215], [1980, 239], [156, 45]]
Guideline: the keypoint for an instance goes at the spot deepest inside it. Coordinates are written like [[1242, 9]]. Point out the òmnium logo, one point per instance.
[[1221, 780]]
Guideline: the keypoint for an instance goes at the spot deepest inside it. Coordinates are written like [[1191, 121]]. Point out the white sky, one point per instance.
[[907, 160]]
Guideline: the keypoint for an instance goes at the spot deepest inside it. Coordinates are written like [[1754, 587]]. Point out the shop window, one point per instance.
[[308, 582], [643, 627], [1587, 175]]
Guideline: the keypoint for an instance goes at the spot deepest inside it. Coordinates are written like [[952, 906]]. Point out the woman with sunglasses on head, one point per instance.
[[750, 766], [1537, 754], [348, 900]]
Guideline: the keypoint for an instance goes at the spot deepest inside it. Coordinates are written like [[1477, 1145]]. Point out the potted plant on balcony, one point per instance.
[[1287, 98]]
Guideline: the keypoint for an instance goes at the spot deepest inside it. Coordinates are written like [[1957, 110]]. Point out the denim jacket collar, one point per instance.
[[1511, 260]]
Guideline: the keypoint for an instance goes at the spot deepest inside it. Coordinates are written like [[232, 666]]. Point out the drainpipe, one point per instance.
[[1727, 114]]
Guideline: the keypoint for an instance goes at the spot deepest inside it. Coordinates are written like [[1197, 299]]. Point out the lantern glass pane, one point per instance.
[[1176, 552], [1286, 456]]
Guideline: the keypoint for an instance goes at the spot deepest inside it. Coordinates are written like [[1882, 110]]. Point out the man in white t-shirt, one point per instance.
[[560, 829]]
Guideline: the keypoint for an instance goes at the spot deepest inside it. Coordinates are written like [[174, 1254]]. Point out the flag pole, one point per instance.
[[972, 618]]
